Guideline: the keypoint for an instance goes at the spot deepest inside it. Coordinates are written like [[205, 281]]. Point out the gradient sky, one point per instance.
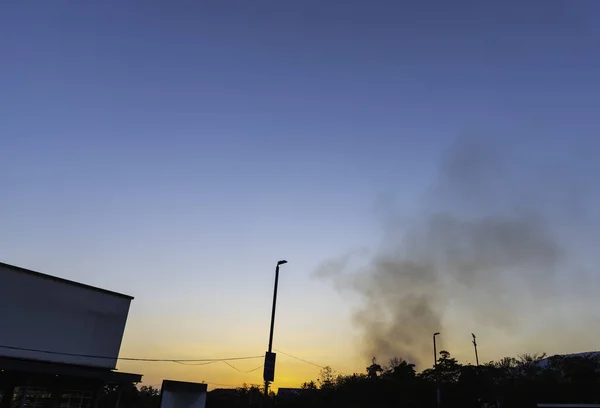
[[176, 150]]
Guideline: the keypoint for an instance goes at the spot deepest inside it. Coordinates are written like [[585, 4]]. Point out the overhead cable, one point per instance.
[[156, 360], [242, 371], [300, 359]]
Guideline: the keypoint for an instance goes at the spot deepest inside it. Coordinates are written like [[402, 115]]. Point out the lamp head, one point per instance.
[[436, 333], [281, 263]]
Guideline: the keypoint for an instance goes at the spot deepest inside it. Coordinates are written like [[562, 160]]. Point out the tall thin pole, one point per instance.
[[273, 318], [434, 352], [475, 345], [437, 375], [273, 309]]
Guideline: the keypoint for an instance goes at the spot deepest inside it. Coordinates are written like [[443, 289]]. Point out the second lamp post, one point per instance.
[[437, 374]]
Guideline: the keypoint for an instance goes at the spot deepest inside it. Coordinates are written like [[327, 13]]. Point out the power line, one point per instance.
[[196, 364], [155, 360], [222, 361], [191, 362], [219, 361], [242, 371], [300, 359]]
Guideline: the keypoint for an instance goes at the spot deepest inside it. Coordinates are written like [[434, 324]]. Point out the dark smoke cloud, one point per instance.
[[488, 238]]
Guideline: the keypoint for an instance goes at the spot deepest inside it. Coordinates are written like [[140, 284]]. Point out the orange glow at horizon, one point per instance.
[[289, 372]]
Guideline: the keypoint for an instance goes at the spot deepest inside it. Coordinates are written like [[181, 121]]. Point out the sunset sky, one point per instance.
[[176, 150]]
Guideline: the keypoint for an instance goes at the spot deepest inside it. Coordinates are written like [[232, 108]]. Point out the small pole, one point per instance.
[[475, 345], [437, 375], [434, 351]]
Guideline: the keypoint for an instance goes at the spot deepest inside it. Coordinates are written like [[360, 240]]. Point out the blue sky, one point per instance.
[[176, 150]]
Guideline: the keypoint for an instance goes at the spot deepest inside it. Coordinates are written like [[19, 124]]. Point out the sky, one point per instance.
[[175, 151]]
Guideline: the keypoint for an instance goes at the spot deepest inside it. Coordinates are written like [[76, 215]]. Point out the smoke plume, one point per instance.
[[489, 239]]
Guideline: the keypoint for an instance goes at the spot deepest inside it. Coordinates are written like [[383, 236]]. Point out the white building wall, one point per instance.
[[43, 313], [180, 399]]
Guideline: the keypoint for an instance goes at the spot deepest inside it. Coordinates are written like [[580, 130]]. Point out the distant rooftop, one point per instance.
[[588, 354], [290, 392], [62, 280], [224, 391]]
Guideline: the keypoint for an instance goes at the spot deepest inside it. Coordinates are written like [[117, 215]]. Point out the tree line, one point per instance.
[[507, 383], [510, 382]]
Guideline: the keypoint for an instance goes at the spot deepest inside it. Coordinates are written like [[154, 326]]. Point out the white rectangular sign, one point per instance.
[[177, 394]]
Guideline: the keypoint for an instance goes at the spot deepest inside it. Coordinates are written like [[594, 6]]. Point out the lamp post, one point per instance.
[[269, 366], [435, 350], [475, 345], [437, 376]]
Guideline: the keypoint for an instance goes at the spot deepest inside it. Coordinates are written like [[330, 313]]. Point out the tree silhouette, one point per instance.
[[400, 370], [512, 382], [327, 378], [374, 369]]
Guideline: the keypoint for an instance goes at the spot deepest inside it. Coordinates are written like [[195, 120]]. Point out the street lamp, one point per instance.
[[435, 350], [437, 375], [269, 366], [475, 345], [476, 357]]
